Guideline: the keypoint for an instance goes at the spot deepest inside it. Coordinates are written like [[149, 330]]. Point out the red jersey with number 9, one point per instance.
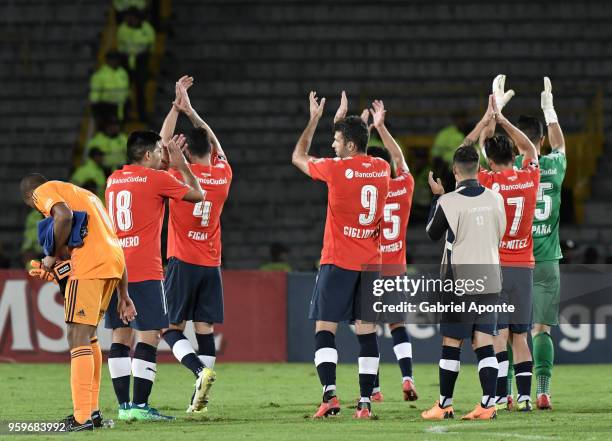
[[194, 231], [395, 220], [135, 197], [357, 190], [519, 188]]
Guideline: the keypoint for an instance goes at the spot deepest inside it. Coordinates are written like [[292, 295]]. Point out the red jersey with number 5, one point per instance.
[[357, 190], [519, 188], [194, 231], [395, 220], [135, 197]]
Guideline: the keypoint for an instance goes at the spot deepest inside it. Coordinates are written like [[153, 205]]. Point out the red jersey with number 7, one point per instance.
[[357, 190], [519, 188], [194, 231], [135, 197]]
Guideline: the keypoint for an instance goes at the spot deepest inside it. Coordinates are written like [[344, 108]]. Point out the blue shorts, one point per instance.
[[194, 292], [462, 325], [337, 293], [151, 307], [517, 291]]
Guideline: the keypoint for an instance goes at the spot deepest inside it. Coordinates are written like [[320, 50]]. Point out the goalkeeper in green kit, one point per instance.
[[546, 248]]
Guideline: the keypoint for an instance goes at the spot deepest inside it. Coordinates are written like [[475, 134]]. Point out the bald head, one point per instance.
[[29, 183]]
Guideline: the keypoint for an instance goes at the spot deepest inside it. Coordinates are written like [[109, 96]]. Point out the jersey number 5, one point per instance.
[[542, 214], [393, 232]]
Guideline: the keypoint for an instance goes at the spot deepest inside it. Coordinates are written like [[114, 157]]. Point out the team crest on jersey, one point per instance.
[[495, 187], [512, 178], [348, 173], [366, 164]]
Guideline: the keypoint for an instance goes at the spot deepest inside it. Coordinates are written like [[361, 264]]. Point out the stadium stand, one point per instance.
[[423, 59], [43, 95]]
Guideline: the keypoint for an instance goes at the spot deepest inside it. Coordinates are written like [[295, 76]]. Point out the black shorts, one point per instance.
[[517, 290], [462, 325], [194, 292], [151, 307], [337, 292]]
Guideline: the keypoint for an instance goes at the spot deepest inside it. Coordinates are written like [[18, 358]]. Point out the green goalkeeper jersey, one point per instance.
[[545, 228]]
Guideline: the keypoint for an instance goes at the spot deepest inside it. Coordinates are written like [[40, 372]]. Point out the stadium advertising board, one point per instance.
[[32, 327]]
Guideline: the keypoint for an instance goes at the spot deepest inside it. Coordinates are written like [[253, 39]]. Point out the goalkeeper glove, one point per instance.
[[546, 101], [501, 97], [58, 275]]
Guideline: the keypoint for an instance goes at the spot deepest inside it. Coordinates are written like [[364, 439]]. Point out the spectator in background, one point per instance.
[[113, 144], [109, 88], [279, 254], [591, 256], [421, 198], [92, 171], [121, 6], [445, 143], [135, 41]]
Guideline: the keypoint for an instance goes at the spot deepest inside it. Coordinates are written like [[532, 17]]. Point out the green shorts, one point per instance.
[[546, 293]]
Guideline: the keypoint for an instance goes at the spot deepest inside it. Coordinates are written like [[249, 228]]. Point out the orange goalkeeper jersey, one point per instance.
[[101, 256]]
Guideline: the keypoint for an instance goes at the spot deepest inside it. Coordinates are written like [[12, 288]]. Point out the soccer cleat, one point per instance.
[[377, 397], [438, 413], [72, 425], [99, 421], [202, 411], [124, 412], [202, 389], [148, 413], [524, 406], [410, 393], [327, 408], [506, 405], [363, 411], [481, 413], [543, 402]]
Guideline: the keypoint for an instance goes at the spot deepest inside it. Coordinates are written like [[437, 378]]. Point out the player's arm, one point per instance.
[[179, 162], [437, 224], [300, 157], [555, 134], [125, 306], [378, 115], [167, 130], [522, 142]]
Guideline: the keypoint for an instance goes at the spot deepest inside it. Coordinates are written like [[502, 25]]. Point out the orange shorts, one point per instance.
[[87, 299]]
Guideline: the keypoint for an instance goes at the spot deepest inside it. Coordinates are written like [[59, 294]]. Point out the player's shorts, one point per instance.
[[151, 307], [337, 291], [546, 293], [462, 325], [194, 292], [86, 300], [517, 291]]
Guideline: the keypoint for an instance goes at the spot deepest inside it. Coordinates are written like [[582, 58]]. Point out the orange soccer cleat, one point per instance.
[[377, 397], [410, 393], [438, 413], [363, 411], [327, 408], [543, 402], [481, 413]]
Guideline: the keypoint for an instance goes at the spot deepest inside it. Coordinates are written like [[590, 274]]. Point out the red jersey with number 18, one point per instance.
[[395, 219], [135, 198], [357, 189], [194, 231], [519, 188]]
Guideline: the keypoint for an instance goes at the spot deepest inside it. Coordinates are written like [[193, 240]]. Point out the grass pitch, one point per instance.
[[276, 401]]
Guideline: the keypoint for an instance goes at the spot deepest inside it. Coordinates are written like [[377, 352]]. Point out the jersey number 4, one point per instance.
[[201, 210]]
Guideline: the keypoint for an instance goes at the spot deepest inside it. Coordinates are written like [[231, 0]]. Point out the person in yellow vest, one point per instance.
[[121, 6], [445, 143], [135, 40], [91, 170], [113, 144], [278, 259], [109, 88]]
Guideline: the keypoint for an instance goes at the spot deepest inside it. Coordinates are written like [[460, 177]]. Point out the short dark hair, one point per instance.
[[532, 127], [466, 158], [499, 149], [140, 142], [30, 182], [198, 143], [354, 130], [379, 152]]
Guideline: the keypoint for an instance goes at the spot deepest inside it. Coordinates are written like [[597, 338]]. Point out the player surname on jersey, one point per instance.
[[359, 233]]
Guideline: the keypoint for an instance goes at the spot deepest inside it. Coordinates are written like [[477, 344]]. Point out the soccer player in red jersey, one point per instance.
[[135, 199], [519, 190], [393, 240], [193, 279], [357, 188]]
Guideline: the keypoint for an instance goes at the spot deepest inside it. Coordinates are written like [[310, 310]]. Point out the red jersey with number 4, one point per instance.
[[395, 220], [194, 231], [519, 188], [357, 189], [135, 198]]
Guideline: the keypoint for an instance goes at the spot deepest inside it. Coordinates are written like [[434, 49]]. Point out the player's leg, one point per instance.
[[326, 360], [523, 367], [546, 291], [448, 371], [402, 347], [368, 361], [500, 344]]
